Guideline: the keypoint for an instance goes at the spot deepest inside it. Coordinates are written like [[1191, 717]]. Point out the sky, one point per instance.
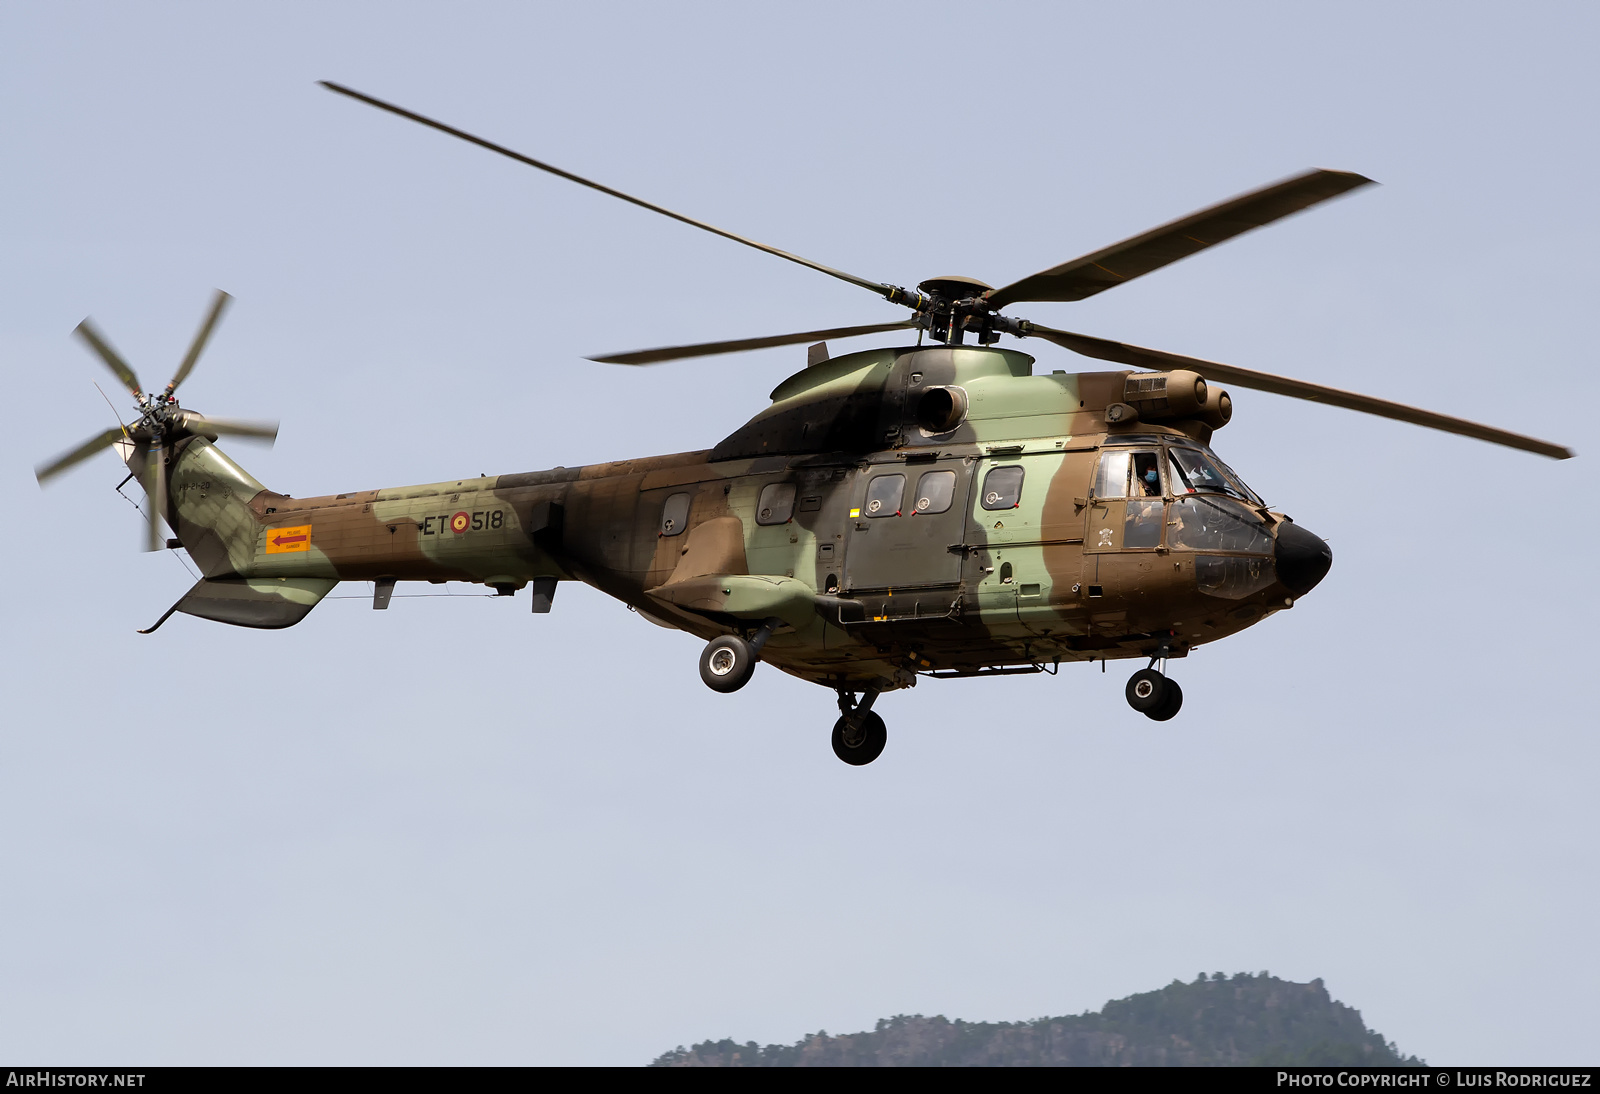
[[460, 833]]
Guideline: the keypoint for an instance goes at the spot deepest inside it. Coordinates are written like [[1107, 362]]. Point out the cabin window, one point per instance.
[[884, 494], [776, 504], [1002, 487], [935, 491], [675, 514]]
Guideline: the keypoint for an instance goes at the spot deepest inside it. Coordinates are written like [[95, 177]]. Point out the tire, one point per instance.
[[868, 743], [726, 664], [1170, 706], [1147, 691]]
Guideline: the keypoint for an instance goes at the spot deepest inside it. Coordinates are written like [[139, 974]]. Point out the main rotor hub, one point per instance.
[[958, 305], [954, 287]]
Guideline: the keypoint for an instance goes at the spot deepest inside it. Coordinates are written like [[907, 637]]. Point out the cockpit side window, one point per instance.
[[1126, 473], [1146, 479], [1111, 481]]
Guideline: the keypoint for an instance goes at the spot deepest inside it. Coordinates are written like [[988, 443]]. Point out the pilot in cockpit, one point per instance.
[[1146, 475]]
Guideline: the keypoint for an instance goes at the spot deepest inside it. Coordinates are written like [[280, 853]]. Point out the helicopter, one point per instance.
[[927, 511]]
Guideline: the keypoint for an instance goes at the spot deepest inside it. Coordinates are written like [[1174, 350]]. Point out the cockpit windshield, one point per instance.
[[1196, 472]]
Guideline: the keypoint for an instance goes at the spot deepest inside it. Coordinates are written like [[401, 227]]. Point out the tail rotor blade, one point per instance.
[[47, 471], [219, 304], [153, 477], [261, 431], [158, 504], [96, 341]]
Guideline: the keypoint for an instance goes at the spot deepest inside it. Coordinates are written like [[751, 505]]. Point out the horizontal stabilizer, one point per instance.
[[268, 603]]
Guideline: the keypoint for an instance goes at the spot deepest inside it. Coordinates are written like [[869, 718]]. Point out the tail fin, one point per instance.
[[208, 500]]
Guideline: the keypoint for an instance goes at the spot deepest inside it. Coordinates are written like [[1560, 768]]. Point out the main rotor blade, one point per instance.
[[1124, 354], [1093, 273], [591, 184], [219, 304], [47, 471], [264, 431], [709, 349], [87, 331]]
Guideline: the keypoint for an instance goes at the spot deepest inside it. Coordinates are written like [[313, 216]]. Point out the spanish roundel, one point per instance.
[[460, 523]]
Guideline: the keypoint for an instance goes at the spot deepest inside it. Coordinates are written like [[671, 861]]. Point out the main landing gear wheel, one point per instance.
[[860, 739], [1154, 695], [727, 663], [1173, 703]]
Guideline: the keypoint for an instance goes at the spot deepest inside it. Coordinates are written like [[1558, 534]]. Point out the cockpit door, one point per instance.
[[1126, 507]]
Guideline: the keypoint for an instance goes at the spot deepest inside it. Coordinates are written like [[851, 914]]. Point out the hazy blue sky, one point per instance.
[[459, 833]]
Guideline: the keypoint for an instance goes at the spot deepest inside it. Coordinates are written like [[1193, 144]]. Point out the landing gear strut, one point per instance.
[[728, 661], [1152, 694], [859, 735]]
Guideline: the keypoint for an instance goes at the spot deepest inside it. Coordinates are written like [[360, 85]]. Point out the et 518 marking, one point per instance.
[[463, 522]]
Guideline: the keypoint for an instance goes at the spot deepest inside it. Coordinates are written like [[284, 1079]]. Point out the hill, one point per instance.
[[1213, 1021]]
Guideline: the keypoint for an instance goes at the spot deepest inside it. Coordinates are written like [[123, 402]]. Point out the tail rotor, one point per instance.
[[161, 422]]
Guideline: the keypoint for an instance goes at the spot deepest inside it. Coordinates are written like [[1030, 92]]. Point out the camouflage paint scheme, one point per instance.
[[867, 601]]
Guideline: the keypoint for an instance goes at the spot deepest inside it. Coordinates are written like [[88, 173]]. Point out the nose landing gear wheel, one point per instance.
[[1154, 695], [859, 744], [727, 663]]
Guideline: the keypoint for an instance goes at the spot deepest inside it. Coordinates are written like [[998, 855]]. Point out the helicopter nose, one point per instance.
[[1303, 559]]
